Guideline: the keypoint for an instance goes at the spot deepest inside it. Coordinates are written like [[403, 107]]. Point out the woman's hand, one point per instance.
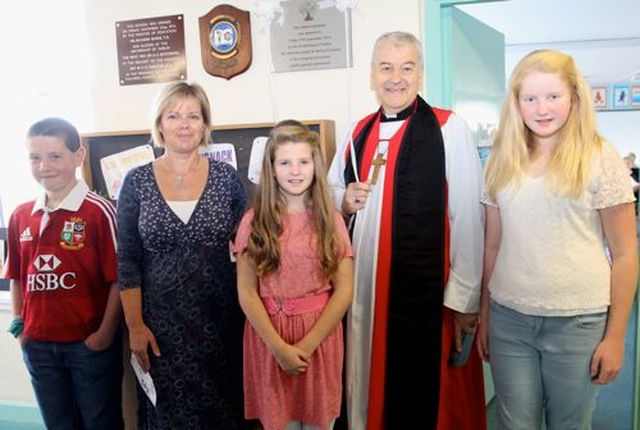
[[140, 339]]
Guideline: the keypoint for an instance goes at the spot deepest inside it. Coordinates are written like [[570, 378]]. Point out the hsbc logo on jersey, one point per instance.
[[46, 279], [46, 262]]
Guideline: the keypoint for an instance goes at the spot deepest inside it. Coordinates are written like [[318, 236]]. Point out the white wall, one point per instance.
[[622, 128], [44, 76], [257, 95], [14, 378]]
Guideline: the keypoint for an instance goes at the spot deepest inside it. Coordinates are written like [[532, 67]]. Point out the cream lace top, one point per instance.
[[552, 259]]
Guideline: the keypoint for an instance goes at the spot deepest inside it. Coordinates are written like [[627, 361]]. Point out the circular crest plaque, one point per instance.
[[225, 39]]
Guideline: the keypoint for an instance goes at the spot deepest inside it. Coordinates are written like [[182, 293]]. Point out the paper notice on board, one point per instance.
[[115, 167], [221, 152], [144, 378], [255, 160]]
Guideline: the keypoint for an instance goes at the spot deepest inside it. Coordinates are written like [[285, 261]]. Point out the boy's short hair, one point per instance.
[[57, 127]]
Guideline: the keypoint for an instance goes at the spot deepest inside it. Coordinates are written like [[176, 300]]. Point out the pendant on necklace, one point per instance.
[[179, 179], [180, 182]]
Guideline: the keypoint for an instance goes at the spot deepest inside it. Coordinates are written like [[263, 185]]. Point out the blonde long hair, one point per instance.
[[269, 204], [579, 141]]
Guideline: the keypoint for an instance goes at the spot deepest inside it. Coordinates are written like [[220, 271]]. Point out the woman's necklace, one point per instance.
[[179, 178]]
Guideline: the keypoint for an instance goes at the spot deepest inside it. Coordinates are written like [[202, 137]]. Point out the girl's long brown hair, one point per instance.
[[269, 204]]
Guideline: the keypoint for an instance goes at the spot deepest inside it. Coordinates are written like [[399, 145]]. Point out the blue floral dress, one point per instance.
[[189, 298]]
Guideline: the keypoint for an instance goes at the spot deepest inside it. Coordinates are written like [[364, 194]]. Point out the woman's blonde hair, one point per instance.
[[269, 204], [571, 165], [169, 96]]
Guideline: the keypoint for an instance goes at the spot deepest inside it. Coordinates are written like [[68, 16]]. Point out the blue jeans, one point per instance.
[[540, 368], [76, 388]]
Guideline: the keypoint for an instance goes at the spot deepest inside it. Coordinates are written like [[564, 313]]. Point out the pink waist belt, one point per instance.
[[296, 306]]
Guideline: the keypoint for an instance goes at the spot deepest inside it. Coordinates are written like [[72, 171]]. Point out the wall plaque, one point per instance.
[[151, 50], [312, 35], [225, 41]]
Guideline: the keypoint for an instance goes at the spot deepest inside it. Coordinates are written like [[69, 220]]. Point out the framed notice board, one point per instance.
[[242, 136]]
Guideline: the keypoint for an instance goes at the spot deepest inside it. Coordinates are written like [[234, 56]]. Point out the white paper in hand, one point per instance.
[[144, 378]]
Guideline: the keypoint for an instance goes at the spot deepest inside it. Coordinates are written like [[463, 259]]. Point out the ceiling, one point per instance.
[[610, 27], [535, 21]]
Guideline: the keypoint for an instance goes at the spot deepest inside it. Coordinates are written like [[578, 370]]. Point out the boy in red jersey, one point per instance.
[[62, 267]]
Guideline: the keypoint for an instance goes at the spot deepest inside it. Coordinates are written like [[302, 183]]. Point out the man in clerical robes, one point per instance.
[[408, 180]]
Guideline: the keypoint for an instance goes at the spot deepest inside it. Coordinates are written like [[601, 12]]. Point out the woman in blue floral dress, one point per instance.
[[175, 218]]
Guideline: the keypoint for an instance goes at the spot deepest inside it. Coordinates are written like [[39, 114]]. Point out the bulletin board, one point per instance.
[[242, 136]]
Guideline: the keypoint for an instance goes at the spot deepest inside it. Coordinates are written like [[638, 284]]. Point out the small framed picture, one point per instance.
[[600, 97], [635, 96], [621, 96]]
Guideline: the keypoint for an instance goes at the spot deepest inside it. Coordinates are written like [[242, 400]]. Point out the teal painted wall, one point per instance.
[[465, 72], [477, 64]]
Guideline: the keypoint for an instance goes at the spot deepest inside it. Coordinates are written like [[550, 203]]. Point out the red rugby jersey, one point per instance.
[[66, 267]]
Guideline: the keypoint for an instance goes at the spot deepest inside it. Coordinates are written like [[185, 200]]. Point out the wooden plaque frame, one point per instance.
[[225, 41]]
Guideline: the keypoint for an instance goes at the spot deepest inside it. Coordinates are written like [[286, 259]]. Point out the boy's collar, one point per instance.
[[71, 202]]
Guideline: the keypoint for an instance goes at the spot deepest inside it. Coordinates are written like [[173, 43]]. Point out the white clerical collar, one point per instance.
[[389, 117], [398, 116]]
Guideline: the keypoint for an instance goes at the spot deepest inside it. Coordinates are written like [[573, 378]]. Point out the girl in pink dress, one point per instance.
[[295, 283]]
